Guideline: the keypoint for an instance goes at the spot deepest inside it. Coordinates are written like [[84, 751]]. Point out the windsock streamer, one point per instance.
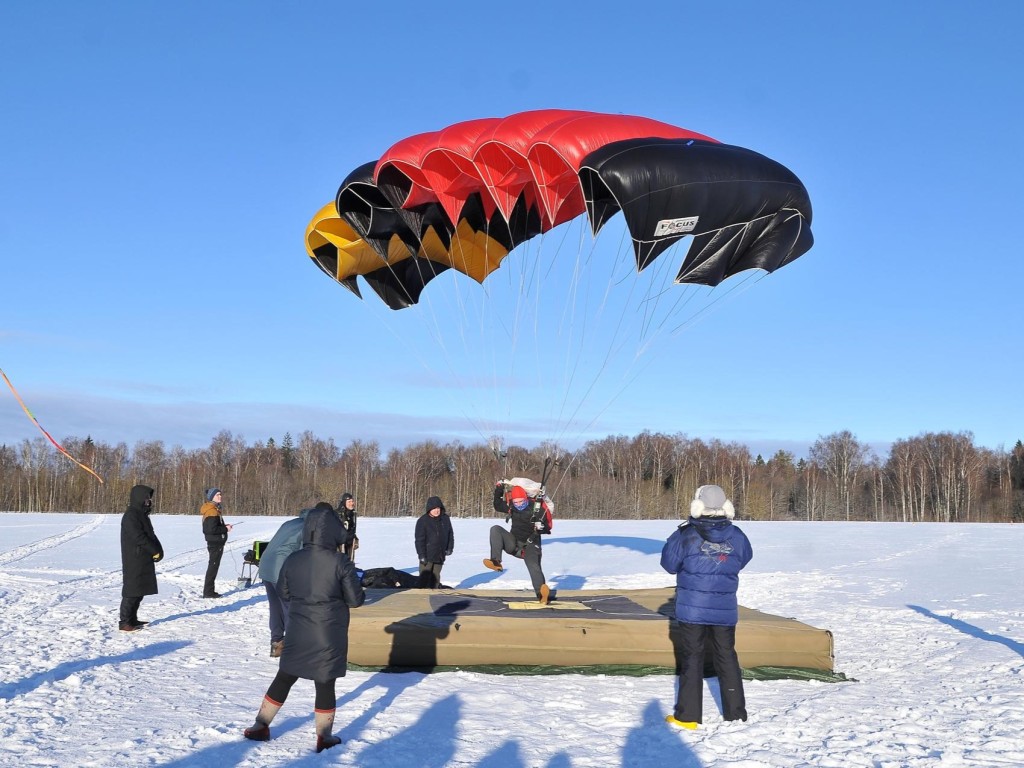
[[35, 421]]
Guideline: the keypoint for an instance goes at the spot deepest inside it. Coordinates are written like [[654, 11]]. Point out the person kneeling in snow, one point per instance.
[[523, 540], [321, 586], [706, 553]]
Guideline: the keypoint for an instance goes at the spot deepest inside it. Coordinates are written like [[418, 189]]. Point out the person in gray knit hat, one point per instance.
[[706, 553], [215, 530]]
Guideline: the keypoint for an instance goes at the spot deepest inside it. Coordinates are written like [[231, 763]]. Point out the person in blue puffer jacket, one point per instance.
[[706, 553]]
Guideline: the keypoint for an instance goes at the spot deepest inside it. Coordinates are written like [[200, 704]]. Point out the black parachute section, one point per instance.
[[743, 210], [401, 278]]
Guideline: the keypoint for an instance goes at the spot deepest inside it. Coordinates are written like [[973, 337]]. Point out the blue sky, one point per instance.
[[161, 162]]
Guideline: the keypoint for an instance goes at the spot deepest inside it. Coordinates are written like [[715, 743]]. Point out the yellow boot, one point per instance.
[[671, 720]]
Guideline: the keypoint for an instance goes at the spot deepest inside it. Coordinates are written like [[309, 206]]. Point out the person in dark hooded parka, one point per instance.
[[140, 551], [349, 518], [435, 541], [321, 585]]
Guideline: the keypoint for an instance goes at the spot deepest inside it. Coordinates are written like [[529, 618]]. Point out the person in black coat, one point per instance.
[[140, 551], [349, 518], [435, 540], [321, 585]]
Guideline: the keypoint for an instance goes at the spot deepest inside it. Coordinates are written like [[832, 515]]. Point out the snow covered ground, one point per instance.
[[928, 620]]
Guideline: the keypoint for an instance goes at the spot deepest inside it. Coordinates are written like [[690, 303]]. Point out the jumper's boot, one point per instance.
[[493, 565], [324, 719], [260, 730], [544, 595]]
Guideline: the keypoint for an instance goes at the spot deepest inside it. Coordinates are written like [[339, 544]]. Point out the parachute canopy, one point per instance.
[[463, 197]]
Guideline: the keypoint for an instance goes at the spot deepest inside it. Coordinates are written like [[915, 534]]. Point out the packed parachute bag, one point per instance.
[[542, 506], [387, 578]]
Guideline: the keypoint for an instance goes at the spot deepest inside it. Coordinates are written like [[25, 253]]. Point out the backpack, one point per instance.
[[542, 505]]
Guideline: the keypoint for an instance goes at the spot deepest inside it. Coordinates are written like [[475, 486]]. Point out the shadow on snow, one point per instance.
[[970, 629], [68, 668], [635, 543]]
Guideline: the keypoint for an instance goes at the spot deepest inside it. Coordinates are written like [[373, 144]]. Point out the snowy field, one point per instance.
[[928, 622]]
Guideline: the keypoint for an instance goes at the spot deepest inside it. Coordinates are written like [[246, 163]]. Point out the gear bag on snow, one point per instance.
[[388, 578]]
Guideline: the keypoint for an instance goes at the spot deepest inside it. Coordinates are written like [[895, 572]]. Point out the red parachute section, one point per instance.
[[535, 155]]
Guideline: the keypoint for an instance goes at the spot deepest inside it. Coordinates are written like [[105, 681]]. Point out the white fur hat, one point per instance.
[[710, 501]]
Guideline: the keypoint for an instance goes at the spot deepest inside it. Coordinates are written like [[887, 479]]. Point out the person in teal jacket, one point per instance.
[[288, 539]]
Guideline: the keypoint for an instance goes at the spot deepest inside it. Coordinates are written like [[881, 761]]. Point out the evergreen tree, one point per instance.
[[287, 452]]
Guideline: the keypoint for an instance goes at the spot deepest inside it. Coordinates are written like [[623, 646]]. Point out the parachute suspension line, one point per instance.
[[569, 321], [478, 318], [748, 281], [432, 327], [742, 287], [612, 347], [500, 328], [549, 321], [713, 296], [654, 325], [578, 322], [617, 338], [35, 421], [678, 303], [507, 324]]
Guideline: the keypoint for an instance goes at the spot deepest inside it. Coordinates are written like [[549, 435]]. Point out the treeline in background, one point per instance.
[[932, 477]]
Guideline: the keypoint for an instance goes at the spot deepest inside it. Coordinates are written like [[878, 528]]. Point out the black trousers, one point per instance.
[[689, 705], [282, 685], [503, 541], [216, 553], [129, 613], [430, 575]]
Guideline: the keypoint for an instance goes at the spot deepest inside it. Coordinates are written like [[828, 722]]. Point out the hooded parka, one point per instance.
[[321, 585], [349, 518], [140, 548], [434, 537]]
